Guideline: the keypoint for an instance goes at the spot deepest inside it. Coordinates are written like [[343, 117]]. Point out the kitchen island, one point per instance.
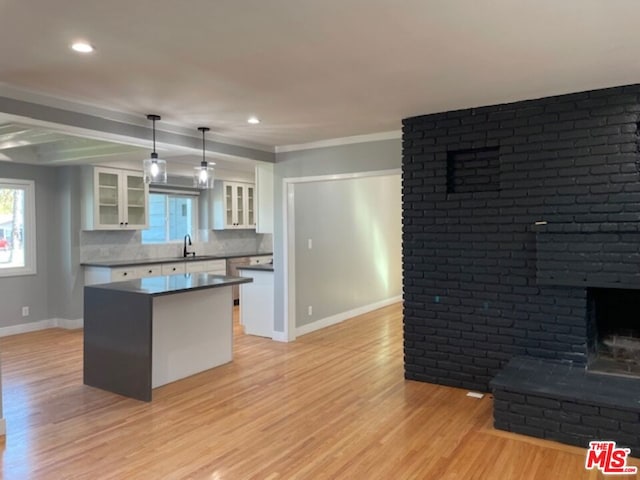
[[141, 334]]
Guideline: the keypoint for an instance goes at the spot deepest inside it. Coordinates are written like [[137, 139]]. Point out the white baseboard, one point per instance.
[[27, 327], [279, 337], [69, 324], [41, 325], [341, 317]]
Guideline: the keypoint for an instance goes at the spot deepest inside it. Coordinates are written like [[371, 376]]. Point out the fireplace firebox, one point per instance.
[[614, 331]]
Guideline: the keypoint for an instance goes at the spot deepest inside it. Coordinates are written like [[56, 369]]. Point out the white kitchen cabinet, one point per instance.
[[94, 275], [234, 205], [114, 199], [152, 270], [264, 198], [97, 275], [173, 268], [216, 267], [256, 303], [260, 259]]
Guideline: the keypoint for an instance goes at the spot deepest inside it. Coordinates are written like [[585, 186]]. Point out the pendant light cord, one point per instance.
[[203, 130], [153, 119]]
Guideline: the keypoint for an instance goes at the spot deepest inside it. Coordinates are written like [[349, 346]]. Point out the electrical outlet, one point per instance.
[[25, 311], [309, 243], [309, 310]]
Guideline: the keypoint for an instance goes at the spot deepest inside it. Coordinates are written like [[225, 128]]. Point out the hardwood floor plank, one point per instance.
[[333, 404]]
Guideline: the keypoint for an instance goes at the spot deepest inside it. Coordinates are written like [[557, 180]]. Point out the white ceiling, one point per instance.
[[313, 69]]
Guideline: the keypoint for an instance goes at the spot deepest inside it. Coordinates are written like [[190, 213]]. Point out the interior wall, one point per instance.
[[351, 158], [31, 290], [66, 278], [354, 226]]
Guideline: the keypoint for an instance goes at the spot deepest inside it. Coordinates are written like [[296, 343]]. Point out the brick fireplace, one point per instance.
[[521, 239]]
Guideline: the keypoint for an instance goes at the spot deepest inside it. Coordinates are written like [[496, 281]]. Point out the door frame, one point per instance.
[[288, 222]]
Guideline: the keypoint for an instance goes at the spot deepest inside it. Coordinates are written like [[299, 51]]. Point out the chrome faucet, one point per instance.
[[185, 252]]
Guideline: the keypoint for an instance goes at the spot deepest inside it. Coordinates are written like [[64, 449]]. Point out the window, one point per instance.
[[171, 217], [17, 227]]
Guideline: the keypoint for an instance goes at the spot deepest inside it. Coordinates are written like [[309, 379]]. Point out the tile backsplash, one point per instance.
[[127, 245]]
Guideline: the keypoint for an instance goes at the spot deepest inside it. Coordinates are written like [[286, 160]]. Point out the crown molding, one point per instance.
[[334, 142]]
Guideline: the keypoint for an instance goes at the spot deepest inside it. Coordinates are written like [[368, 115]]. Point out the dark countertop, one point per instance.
[[265, 267], [171, 284], [151, 261]]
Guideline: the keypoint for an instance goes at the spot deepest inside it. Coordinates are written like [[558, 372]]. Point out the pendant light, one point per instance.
[[155, 169], [203, 175]]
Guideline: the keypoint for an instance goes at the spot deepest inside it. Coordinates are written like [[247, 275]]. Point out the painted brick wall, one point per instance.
[[472, 300], [603, 259]]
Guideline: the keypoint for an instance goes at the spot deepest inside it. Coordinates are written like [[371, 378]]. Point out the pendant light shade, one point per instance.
[[155, 169], [203, 175]]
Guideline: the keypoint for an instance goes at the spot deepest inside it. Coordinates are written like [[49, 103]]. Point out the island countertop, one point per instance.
[[172, 284]]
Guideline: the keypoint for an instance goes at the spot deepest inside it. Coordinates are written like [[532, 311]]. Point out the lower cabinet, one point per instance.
[[234, 263], [232, 271], [216, 267], [256, 308], [149, 270], [97, 275], [173, 268], [261, 260]]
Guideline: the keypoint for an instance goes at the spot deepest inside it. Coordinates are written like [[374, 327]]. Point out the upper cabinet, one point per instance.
[[234, 205], [114, 199], [264, 195]]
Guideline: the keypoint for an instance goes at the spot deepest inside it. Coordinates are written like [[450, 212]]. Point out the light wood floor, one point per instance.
[[333, 404]]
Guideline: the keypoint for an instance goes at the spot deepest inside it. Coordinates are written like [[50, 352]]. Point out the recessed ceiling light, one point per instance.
[[253, 120], [82, 47]]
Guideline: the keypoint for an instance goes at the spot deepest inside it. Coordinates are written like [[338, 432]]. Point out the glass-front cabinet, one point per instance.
[[114, 199], [109, 195], [251, 206], [234, 205], [228, 204], [239, 201], [136, 201]]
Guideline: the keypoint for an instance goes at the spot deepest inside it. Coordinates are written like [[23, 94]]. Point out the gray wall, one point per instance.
[[358, 157], [32, 290], [355, 226], [66, 278]]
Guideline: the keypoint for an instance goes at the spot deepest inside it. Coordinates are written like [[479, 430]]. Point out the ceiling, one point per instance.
[[312, 70]]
